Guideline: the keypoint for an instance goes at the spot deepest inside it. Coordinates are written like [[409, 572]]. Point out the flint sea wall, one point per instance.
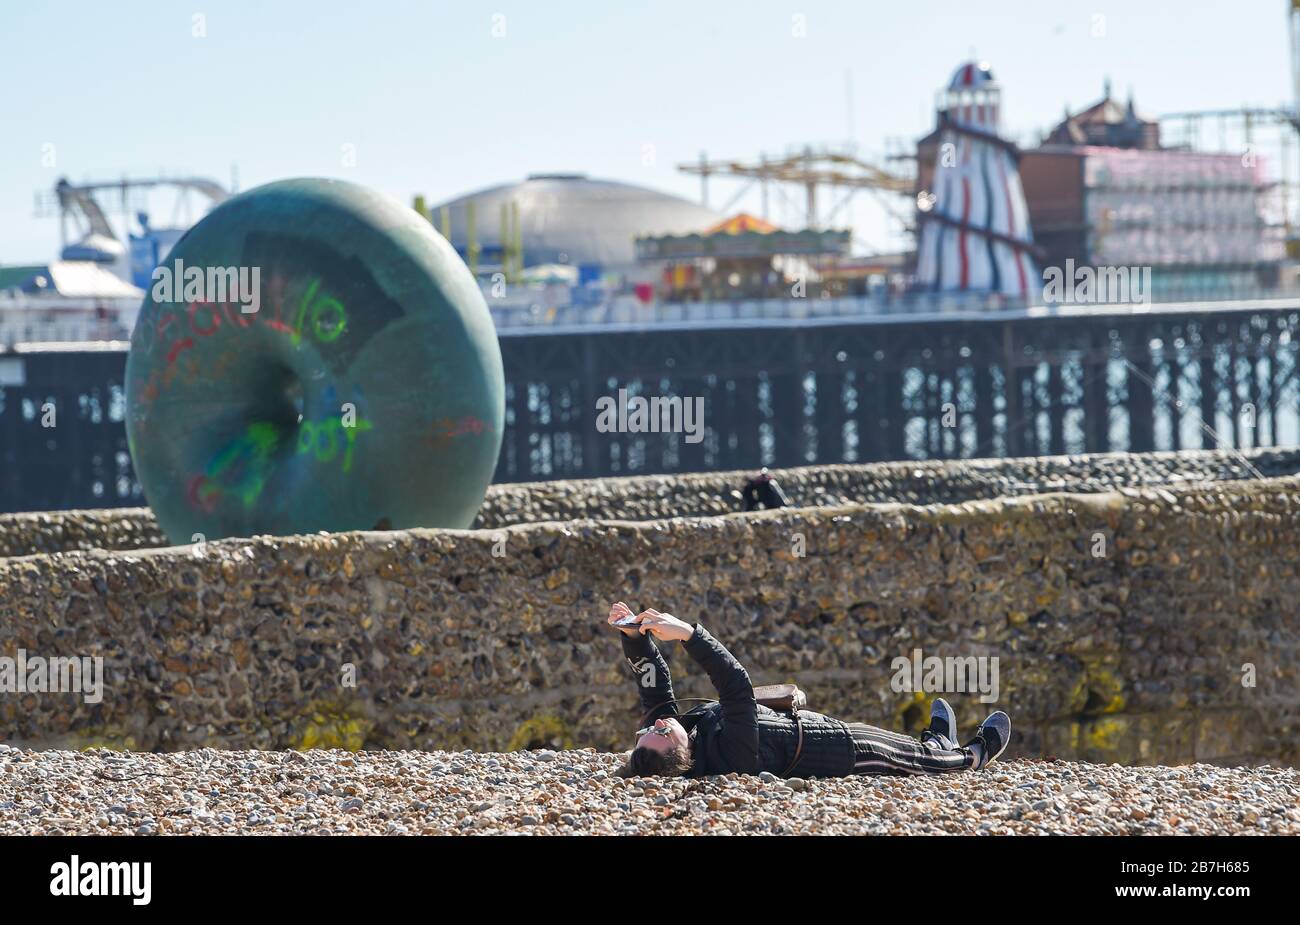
[[1145, 620]]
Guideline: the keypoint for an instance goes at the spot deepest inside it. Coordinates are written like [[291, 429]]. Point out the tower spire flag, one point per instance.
[[975, 237]]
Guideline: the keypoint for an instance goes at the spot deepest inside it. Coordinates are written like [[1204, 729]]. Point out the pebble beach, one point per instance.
[[208, 791]]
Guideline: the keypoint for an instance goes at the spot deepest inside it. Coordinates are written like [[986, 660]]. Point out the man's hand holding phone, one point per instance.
[[660, 625], [621, 616], [665, 626]]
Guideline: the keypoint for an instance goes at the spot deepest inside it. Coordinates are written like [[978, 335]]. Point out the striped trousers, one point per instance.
[[879, 751]]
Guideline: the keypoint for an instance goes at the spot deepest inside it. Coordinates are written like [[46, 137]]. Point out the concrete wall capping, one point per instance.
[[650, 497]]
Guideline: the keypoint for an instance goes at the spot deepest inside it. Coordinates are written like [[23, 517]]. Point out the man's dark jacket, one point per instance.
[[734, 733]]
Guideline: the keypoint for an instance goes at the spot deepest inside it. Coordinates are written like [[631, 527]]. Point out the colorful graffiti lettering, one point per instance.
[[447, 429], [321, 439], [244, 466], [326, 307], [319, 315], [241, 468]]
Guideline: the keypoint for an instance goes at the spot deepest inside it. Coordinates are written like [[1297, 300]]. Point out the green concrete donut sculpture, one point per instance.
[[312, 355]]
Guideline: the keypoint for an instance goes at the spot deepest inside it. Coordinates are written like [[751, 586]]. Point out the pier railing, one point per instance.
[[522, 311], [518, 314]]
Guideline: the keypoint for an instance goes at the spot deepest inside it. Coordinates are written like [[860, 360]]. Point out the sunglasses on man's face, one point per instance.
[[665, 731]]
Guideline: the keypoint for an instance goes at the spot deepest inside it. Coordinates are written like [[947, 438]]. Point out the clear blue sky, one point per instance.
[[434, 103]]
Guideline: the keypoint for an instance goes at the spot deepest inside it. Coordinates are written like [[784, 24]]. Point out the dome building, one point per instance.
[[569, 219]]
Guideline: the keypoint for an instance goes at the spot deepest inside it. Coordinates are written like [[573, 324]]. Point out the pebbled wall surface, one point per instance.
[[1152, 624]]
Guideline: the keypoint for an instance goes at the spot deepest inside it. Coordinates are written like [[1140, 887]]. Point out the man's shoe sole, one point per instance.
[[989, 759]]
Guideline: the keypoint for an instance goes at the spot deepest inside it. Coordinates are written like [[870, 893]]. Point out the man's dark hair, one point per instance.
[[649, 762]]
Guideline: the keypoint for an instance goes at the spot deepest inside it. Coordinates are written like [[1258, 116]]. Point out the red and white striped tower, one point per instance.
[[975, 236]]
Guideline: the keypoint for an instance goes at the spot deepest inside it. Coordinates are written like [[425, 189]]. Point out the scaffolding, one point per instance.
[[1181, 208], [1265, 142]]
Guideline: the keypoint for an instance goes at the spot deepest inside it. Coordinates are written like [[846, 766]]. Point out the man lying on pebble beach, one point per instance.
[[736, 733]]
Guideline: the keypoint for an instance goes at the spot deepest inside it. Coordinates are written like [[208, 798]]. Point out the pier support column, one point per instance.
[[829, 415], [891, 413], [1096, 412], [983, 410], [1011, 378], [1209, 387], [1055, 408], [1141, 399], [788, 419]]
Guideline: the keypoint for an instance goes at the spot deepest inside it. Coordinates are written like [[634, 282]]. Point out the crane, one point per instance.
[[79, 202], [1294, 31]]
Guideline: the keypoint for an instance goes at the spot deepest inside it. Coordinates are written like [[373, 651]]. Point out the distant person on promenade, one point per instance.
[[763, 491], [736, 733]]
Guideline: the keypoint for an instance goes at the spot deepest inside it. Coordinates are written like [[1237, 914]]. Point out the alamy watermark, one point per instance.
[[208, 285], [670, 414], [931, 674], [644, 669], [1087, 285], [76, 877], [56, 675]]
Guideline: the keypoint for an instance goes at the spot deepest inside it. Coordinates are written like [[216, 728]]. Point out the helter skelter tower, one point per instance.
[[975, 235]]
